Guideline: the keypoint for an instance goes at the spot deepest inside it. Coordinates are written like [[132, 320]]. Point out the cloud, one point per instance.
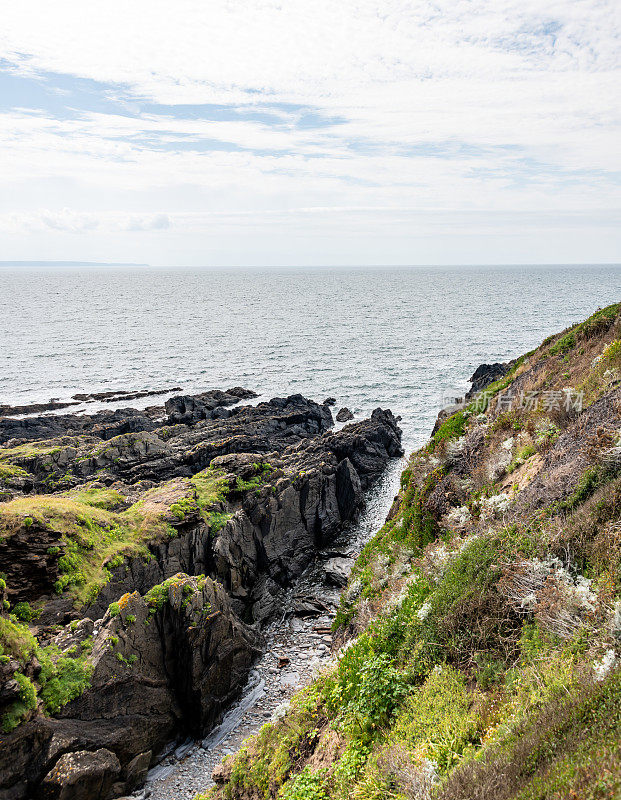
[[157, 222], [68, 220], [254, 109]]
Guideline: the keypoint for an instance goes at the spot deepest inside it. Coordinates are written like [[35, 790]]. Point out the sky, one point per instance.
[[291, 132]]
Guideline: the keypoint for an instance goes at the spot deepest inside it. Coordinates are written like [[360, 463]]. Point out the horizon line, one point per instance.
[[74, 263]]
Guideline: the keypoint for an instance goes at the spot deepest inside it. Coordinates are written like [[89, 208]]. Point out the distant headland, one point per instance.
[[70, 264]]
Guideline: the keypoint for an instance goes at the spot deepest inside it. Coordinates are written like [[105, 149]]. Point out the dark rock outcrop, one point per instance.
[[81, 775], [172, 658], [161, 452], [107, 424], [164, 666], [35, 408], [192, 408], [120, 394], [337, 570], [103, 425], [485, 374], [344, 415], [313, 489]]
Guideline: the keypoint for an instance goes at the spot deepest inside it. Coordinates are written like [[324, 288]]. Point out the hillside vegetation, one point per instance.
[[480, 631]]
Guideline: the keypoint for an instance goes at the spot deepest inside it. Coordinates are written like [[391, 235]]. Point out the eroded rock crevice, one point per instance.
[[150, 560]]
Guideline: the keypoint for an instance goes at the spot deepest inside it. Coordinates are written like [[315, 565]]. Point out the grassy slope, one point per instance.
[[482, 657], [97, 530]]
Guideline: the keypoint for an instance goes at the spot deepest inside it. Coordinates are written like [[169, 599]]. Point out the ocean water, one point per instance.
[[402, 338]]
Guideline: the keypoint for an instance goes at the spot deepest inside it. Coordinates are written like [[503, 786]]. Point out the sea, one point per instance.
[[404, 338]]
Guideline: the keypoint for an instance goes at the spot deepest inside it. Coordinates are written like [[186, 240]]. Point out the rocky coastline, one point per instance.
[[144, 553], [476, 649]]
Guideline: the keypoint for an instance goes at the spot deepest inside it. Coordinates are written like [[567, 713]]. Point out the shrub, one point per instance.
[[564, 344], [20, 708], [308, 785], [16, 640], [62, 678], [24, 612], [589, 482], [367, 688], [437, 721], [566, 747], [452, 428]]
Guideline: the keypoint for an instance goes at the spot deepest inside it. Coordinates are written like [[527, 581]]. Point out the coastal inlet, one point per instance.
[[148, 559]]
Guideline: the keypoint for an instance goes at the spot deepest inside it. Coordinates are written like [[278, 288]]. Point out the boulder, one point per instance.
[[337, 570], [485, 374], [344, 415], [136, 770], [307, 606], [81, 775]]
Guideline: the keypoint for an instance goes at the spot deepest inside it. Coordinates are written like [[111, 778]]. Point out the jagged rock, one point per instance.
[[29, 559], [162, 667], [81, 775], [153, 453], [337, 570], [266, 591], [33, 408], [107, 424], [485, 374], [330, 401], [169, 670], [305, 606], [315, 486], [120, 394], [344, 415], [192, 408], [104, 425], [136, 770]]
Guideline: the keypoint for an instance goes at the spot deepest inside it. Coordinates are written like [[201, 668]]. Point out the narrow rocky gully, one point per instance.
[[298, 643]]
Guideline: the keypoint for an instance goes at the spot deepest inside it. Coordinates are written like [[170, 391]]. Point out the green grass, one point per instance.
[[95, 538], [590, 481], [522, 455], [19, 709], [24, 612], [97, 497], [595, 324], [564, 344], [159, 595], [452, 428], [63, 676], [255, 483], [211, 487], [28, 450], [16, 641], [12, 471]]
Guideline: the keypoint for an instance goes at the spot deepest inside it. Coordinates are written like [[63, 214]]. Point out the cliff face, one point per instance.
[[153, 666], [479, 636], [138, 568]]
